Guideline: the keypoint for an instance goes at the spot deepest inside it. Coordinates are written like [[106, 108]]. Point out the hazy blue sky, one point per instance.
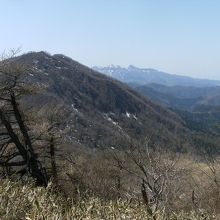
[[177, 36]]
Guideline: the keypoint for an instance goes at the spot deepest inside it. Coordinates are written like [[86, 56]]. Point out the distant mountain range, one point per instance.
[[196, 101], [181, 97], [142, 76], [198, 106]]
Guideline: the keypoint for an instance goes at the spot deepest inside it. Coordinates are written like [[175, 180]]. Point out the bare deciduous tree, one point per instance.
[[154, 172]]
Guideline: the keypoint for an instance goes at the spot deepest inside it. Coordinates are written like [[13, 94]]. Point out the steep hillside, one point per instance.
[[100, 111], [174, 99], [198, 107], [196, 101]]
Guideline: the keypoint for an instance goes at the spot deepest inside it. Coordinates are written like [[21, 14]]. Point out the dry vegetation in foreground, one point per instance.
[[24, 201]]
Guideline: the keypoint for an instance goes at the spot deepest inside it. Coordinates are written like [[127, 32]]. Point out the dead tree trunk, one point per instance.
[[28, 154], [33, 164]]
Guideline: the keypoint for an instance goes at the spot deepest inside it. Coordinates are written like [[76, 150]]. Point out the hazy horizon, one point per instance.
[[177, 37]]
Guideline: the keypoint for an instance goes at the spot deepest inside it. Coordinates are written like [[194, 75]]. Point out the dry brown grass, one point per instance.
[[18, 201]]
